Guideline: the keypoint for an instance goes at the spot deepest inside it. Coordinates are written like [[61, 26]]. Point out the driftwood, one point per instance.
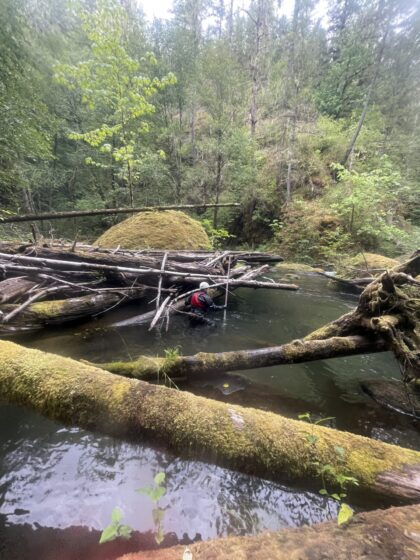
[[251, 441], [377, 535], [109, 211], [84, 269], [13, 288]]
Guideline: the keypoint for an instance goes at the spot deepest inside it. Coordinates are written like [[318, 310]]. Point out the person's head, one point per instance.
[[204, 286]]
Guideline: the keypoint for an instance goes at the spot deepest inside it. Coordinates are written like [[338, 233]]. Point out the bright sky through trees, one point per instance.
[[162, 8]]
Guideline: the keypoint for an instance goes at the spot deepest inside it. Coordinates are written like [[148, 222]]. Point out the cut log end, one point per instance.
[[405, 483]]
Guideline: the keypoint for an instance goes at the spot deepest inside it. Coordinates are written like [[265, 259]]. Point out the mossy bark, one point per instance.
[[248, 440], [377, 535], [388, 307], [58, 312], [203, 363]]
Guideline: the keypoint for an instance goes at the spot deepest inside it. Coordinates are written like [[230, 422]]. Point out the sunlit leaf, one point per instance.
[[345, 514]]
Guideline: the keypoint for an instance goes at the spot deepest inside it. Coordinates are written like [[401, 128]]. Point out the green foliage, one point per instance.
[[115, 89], [345, 513], [115, 529], [217, 235], [334, 472], [369, 205], [155, 493]]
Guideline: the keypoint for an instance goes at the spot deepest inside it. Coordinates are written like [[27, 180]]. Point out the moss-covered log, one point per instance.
[[376, 535], [203, 363], [248, 440], [389, 307], [58, 312]]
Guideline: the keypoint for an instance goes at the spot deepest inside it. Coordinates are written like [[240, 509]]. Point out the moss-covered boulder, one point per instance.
[[156, 230], [365, 264]]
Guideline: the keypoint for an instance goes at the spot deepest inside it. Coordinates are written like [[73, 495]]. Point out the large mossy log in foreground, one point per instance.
[[377, 535], [248, 440]]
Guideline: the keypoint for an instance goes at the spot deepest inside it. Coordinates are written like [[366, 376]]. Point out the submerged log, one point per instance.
[[395, 395], [251, 441], [149, 368], [377, 535]]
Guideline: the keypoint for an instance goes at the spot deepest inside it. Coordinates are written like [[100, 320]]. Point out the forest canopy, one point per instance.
[[310, 123]]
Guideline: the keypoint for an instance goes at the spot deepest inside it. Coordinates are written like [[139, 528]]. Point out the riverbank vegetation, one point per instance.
[[308, 120]]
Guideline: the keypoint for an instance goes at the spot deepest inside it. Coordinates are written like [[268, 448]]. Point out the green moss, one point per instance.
[[156, 230], [245, 439], [295, 267]]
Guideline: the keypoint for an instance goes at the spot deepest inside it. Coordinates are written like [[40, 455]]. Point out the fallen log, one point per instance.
[[108, 258], [376, 535], [109, 211], [203, 363], [13, 288], [251, 441], [395, 395], [389, 307], [58, 312], [76, 265]]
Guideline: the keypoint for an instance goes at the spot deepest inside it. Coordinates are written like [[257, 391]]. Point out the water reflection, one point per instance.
[[58, 477]]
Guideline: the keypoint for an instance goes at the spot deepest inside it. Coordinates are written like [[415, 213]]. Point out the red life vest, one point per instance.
[[196, 302]]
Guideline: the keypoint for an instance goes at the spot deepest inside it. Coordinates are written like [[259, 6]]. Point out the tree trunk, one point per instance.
[[13, 288], [148, 368], [248, 440], [107, 211], [377, 535]]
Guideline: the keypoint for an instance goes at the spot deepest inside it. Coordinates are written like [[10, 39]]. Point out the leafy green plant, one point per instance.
[[171, 357], [332, 472], [115, 529], [217, 235], [155, 493]]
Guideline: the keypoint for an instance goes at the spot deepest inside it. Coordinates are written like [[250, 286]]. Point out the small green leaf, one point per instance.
[[312, 439], [157, 493], [340, 451], [305, 416], [160, 478], [147, 490], [323, 492], [345, 514], [108, 534], [125, 531], [324, 419], [116, 515], [336, 497]]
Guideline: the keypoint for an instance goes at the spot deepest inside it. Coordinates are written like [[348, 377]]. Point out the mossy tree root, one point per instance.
[[248, 440], [378, 535]]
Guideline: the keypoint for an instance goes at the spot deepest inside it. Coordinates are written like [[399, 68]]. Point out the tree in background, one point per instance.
[[115, 90]]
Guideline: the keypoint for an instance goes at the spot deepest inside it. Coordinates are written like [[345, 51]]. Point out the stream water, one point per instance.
[[58, 486]]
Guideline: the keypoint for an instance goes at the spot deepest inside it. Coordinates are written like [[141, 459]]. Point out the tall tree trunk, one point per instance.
[[369, 93]]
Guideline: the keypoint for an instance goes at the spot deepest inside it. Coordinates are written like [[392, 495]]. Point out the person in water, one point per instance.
[[201, 303]]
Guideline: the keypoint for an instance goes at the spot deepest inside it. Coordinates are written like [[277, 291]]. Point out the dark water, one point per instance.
[[53, 477]]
